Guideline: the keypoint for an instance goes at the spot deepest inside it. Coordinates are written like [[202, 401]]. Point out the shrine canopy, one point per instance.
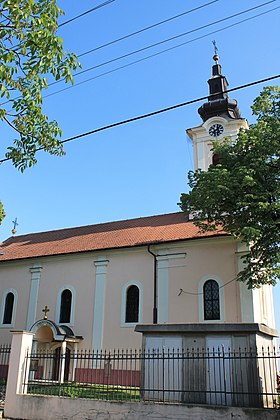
[[48, 331]]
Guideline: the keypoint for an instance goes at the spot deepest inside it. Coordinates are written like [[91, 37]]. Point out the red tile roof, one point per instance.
[[121, 234]]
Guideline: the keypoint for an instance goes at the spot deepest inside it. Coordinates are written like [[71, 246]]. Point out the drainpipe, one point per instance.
[[155, 309]]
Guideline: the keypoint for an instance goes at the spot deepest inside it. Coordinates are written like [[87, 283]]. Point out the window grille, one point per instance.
[[216, 159], [132, 304], [65, 306], [211, 300], [9, 306]]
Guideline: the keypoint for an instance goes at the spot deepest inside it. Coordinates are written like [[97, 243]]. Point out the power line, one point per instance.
[[147, 28], [124, 37], [74, 18], [85, 13], [141, 117], [201, 293], [160, 111], [160, 52], [164, 41], [82, 14], [173, 37]]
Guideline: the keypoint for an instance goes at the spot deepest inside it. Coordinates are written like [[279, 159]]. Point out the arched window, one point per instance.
[[132, 304], [8, 308], [216, 159], [211, 300], [65, 306]]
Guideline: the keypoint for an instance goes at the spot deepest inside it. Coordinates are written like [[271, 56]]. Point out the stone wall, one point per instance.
[[48, 408]]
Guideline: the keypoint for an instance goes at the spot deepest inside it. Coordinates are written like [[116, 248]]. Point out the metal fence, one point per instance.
[[5, 351], [243, 377]]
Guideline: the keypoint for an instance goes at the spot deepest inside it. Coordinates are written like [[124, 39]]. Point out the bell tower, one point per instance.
[[221, 118]]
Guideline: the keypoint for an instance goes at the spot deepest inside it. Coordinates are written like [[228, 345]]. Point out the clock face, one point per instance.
[[216, 130]]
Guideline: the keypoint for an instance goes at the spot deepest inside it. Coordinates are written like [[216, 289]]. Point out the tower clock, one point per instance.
[[221, 119]]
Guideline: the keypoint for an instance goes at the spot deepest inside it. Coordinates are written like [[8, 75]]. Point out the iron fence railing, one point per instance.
[[243, 377], [5, 351]]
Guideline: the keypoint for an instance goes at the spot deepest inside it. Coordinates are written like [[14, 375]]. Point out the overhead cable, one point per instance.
[[201, 293], [160, 111], [164, 41], [86, 12], [70, 20], [158, 53], [146, 28]]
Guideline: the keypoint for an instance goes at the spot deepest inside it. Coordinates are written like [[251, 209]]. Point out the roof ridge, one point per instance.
[[157, 229], [91, 225]]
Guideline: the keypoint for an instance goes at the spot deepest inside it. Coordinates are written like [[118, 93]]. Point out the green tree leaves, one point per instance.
[[242, 195], [30, 54]]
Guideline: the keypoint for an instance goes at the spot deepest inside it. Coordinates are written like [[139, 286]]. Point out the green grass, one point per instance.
[[3, 383], [74, 390]]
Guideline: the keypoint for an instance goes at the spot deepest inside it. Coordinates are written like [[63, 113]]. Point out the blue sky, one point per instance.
[[137, 169]]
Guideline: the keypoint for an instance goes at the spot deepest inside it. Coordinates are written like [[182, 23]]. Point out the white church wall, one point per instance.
[[205, 260], [133, 267], [78, 274], [98, 309], [14, 277]]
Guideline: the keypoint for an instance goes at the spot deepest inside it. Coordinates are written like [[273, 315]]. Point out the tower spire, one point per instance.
[[215, 56], [219, 104]]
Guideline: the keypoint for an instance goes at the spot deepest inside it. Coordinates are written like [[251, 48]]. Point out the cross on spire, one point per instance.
[[215, 56], [215, 47], [15, 223], [46, 310], [219, 103]]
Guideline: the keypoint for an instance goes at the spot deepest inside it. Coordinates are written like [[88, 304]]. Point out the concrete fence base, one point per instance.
[[30, 407], [20, 405]]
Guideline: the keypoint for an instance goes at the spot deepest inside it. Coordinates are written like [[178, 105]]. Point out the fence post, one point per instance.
[[163, 379], [225, 375], [62, 362], [18, 369], [75, 358]]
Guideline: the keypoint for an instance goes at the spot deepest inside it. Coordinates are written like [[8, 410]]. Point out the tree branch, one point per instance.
[[12, 126]]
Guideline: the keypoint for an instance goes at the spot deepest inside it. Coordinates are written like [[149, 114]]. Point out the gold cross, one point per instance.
[[46, 310], [215, 47]]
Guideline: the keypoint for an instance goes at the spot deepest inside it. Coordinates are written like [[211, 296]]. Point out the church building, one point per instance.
[[102, 286]]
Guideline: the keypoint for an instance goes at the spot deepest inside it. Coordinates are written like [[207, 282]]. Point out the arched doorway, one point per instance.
[[57, 364], [52, 348]]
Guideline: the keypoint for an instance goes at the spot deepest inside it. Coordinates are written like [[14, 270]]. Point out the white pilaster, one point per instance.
[[99, 302], [200, 156], [33, 295], [163, 289], [163, 266], [270, 306], [246, 295]]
